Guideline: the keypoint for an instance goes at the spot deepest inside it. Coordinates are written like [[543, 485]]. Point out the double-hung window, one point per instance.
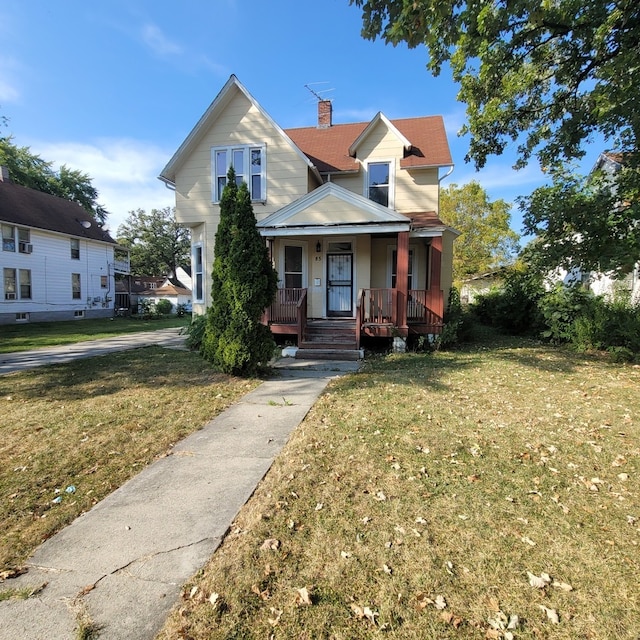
[[198, 290], [10, 290], [248, 161], [8, 237], [293, 272], [76, 291], [394, 266], [17, 284], [75, 249], [24, 240], [379, 184]]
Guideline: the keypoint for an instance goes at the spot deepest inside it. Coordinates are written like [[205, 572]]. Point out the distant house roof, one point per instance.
[[168, 289], [328, 147], [30, 208]]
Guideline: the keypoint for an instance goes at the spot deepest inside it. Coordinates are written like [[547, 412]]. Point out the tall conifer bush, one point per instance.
[[244, 283]]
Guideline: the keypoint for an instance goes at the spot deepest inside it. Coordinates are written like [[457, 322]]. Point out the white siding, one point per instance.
[[51, 267]]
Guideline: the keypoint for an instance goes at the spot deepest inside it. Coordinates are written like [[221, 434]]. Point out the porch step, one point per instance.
[[329, 334], [328, 354], [324, 344]]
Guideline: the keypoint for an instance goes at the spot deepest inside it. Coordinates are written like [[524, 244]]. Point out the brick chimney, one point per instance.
[[325, 113], [4, 174]]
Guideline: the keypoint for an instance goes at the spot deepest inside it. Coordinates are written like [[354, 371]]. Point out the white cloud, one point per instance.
[[155, 39], [499, 176], [124, 172]]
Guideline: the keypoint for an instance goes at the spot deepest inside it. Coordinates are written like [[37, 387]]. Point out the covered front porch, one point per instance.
[[376, 312], [350, 268]]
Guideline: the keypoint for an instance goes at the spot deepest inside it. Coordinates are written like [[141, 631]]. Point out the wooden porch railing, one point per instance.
[[380, 308], [417, 310], [284, 309]]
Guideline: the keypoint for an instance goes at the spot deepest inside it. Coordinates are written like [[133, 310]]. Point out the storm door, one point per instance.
[[340, 285]]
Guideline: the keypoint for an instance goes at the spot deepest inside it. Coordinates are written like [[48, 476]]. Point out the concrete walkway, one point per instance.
[[121, 565], [21, 360]]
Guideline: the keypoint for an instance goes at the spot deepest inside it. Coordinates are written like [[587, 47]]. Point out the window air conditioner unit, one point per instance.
[[25, 247], [10, 296]]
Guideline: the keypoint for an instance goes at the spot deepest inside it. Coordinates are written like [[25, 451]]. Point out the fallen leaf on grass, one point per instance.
[[539, 582], [265, 595], [276, 613], [450, 618], [270, 544], [562, 585], [387, 569], [303, 597], [552, 614], [214, 599], [365, 613], [424, 600]]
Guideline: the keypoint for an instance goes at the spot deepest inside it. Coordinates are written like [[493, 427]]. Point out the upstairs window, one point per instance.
[[75, 249], [248, 162], [24, 240], [379, 183], [8, 237]]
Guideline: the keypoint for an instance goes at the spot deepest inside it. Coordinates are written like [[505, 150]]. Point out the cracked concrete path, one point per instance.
[[121, 565]]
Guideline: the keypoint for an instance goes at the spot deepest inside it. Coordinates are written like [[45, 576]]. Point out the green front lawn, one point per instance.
[[23, 337], [487, 493]]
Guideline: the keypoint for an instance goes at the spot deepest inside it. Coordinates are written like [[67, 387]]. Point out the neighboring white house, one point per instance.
[[603, 284], [57, 262]]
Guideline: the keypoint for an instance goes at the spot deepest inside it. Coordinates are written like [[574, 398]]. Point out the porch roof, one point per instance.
[[332, 210]]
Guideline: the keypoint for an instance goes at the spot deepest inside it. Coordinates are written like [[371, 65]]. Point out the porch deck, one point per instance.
[[379, 314]]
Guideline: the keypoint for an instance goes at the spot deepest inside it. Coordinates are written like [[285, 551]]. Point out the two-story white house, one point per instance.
[[349, 213], [57, 263]]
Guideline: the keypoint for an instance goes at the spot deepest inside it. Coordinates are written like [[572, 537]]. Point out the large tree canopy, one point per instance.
[[547, 75], [555, 71], [30, 170], [486, 240], [157, 243]]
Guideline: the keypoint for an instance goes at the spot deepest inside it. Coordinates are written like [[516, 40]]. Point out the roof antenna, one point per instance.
[[315, 93], [325, 108]]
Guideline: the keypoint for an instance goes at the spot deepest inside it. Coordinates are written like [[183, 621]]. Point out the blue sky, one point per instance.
[[113, 88]]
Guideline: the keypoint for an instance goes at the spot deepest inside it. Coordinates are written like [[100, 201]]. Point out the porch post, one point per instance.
[[402, 280], [435, 299]]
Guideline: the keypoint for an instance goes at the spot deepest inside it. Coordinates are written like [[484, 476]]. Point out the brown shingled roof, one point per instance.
[[425, 220], [30, 208], [328, 147]]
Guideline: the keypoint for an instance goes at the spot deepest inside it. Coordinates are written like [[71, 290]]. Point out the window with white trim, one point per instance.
[[76, 290], [25, 284], [24, 240], [9, 278], [75, 249], [293, 272], [8, 237], [198, 289], [394, 265], [379, 183], [248, 161]]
